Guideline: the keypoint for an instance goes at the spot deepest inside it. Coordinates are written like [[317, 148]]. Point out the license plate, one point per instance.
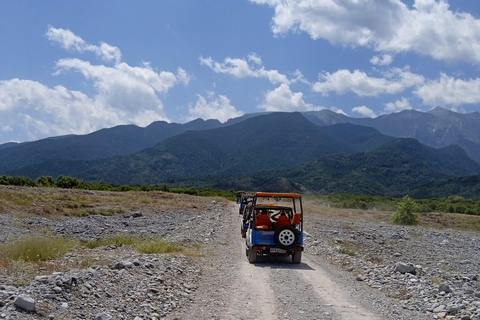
[[277, 250]]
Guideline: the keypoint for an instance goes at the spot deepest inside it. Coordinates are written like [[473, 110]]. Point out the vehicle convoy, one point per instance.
[[273, 225], [244, 209]]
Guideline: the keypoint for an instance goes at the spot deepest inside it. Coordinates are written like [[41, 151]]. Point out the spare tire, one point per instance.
[[286, 237]]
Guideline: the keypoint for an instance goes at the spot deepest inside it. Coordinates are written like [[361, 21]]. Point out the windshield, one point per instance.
[[279, 201]]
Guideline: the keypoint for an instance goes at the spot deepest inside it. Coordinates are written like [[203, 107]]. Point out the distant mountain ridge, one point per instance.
[[326, 153], [105, 143], [437, 128]]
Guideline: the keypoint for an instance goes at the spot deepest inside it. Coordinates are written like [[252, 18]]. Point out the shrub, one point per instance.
[[68, 182], [405, 214]]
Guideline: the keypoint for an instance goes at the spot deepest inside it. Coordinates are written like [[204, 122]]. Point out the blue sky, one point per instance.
[[74, 67]]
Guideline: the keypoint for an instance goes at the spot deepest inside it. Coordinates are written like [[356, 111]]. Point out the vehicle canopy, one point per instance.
[[293, 200], [276, 203]]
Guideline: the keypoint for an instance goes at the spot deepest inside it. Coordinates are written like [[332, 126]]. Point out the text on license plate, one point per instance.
[[277, 250]]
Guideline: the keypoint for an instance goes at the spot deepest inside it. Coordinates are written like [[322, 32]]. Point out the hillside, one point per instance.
[[105, 143], [437, 128], [391, 170], [268, 142]]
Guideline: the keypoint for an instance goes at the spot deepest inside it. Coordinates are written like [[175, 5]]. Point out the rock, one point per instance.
[[360, 278], [25, 302], [103, 316], [137, 214], [123, 265], [444, 287], [404, 268]]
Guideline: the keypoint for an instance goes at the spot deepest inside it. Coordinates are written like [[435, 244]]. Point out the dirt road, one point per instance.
[[273, 288]]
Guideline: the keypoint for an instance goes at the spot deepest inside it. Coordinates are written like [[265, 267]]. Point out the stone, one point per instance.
[[123, 265], [25, 302], [404, 268], [103, 316], [444, 287]]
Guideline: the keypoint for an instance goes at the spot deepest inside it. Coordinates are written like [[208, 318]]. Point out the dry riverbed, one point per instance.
[[352, 269]]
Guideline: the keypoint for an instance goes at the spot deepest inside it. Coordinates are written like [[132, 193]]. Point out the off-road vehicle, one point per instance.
[[275, 226], [244, 209]]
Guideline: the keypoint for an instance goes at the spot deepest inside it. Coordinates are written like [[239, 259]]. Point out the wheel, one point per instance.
[[252, 255], [286, 237], [244, 233], [296, 257]]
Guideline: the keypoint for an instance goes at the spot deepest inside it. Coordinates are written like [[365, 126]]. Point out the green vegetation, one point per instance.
[[149, 246], [46, 247], [346, 251], [405, 214], [37, 248], [74, 183], [450, 204]]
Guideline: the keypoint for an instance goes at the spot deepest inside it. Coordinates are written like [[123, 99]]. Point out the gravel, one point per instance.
[[393, 272]]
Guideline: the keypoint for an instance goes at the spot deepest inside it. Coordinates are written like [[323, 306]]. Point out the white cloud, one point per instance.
[[428, 28], [41, 111], [255, 58], [130, 89], [123, 94], [70, 41], [337, 110], [364, 111], [183, 76], [283, 99], [240, 68], [342, 81], [449, 91], [398, 105], [384, 60], [213, 107]]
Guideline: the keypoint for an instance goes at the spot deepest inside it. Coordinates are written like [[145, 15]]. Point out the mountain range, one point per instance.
[[319, 151]]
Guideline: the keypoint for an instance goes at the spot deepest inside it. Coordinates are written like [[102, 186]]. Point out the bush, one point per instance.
[[67, 182], [405, 214]]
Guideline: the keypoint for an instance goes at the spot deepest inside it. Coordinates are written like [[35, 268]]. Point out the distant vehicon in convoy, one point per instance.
[[244, 209], [272, 225]]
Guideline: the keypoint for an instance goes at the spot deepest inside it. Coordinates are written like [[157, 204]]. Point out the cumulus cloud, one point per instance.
[[41, 111], [212, 106], [398, 105], [429, 27], [383, 60], [364, 111], [241, 68], [342, 81], [122, 94], [448, 91], [70, 41], [283, 99]]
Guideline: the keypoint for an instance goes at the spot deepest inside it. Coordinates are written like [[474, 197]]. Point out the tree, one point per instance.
[[405, 214]]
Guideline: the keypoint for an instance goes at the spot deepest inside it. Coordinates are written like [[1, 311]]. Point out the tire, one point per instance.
[[252, 255], [297, 257], [286, 237]]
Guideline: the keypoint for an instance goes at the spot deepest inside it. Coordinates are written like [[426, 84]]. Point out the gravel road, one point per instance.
[[348, 271], [274, 288]]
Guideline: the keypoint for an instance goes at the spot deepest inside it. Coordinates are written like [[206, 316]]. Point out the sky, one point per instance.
[[75, 67]]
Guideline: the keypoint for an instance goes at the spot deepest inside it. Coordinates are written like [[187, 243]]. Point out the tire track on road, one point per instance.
[[337, 297]]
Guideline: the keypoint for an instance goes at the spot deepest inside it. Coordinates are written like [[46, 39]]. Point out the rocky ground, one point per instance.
[[350, 270]]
